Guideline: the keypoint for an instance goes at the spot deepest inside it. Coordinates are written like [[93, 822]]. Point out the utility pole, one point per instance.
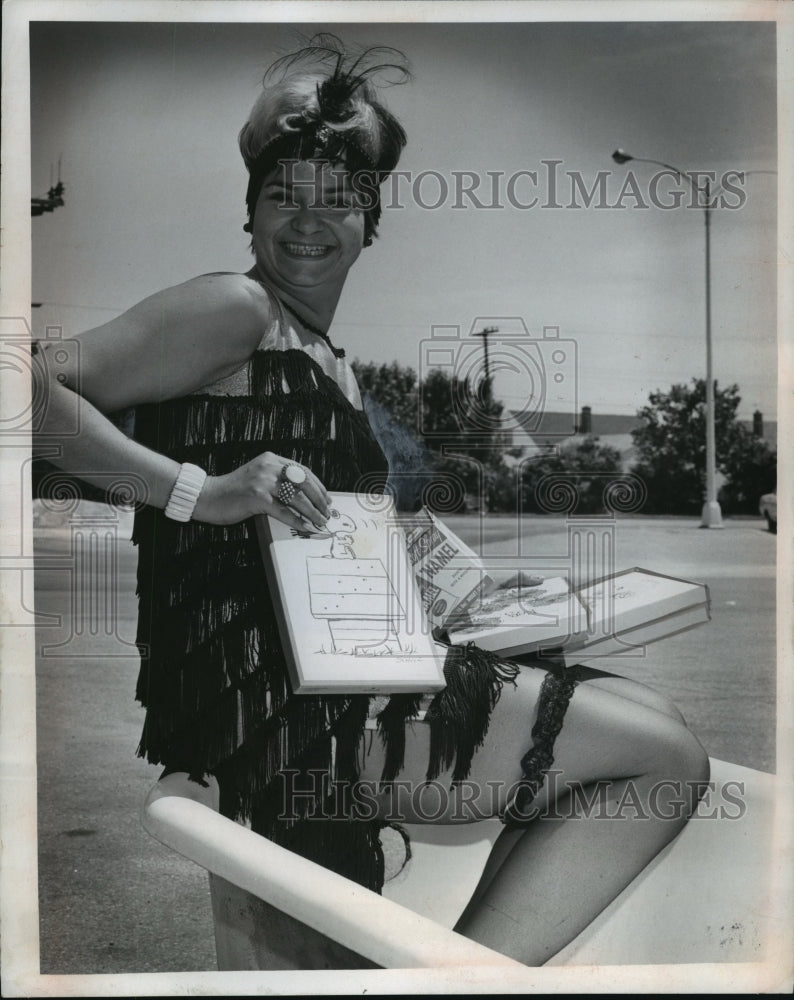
[[486, 394]]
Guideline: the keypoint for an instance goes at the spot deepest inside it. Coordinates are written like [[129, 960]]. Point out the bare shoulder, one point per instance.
[[238, 303], [228, 288], [175, 341]]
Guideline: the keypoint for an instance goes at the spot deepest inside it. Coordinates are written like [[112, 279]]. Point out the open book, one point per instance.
[[451, 577], [606, 617], [349, 611]]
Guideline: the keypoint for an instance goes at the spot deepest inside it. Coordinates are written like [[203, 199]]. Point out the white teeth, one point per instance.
[[302, 250]]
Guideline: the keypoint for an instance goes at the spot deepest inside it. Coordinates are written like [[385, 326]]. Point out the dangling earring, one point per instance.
[[367, 241], [248, 228]]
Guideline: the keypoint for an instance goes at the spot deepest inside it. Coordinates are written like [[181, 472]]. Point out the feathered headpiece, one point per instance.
[[319, 103]]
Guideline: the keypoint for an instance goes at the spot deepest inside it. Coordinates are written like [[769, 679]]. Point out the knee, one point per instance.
[[661, 703], [697, 760], [681, 757], [661, 745], [672, 767], [685, 773]]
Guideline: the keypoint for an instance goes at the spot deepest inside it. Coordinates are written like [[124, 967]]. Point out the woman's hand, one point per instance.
[[521, 579], [253, 489]]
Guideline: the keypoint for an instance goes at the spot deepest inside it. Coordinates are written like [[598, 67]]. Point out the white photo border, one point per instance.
[[18, 879]]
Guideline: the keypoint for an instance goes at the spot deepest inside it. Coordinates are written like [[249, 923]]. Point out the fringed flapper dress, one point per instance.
[[213, 675]]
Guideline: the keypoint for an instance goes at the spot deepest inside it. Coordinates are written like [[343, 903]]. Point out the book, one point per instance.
[[633, 641], [349, 611], [602, 618], [518, 620], [451, 577], [631, 609]]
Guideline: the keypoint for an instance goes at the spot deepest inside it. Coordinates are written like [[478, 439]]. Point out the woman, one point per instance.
[[244, 406]]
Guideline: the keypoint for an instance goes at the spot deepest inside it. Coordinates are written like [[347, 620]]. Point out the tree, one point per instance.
[[394, 387], [751, 470], [459, 418], [671, 449], [442, 437], [391, 401], [582, 469]]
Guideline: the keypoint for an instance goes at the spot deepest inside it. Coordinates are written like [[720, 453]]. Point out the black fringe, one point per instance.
[[459, 715], [555, 695], [392, 721], [352, 849], [308, 807], [213, 675]]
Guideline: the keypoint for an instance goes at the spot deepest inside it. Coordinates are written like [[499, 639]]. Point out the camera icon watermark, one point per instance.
[[40, 363], [540, 372]]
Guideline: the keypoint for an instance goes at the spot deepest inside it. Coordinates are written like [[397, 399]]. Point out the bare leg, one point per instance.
[[632, 691], [623, 686], [546, 883]]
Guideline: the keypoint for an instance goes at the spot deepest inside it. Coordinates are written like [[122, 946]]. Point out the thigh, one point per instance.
[[604, 736], [622, 686], [630, 690]]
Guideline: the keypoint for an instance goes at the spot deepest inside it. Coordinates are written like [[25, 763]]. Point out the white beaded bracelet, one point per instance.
[[185, 493]]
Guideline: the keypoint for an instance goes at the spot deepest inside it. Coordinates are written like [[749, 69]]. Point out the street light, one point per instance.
[[711, 516]]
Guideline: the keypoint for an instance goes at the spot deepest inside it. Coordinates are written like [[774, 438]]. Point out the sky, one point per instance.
[[145, 116]]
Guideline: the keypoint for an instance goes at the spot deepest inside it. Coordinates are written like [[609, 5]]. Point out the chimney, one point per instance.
[[758, 424], [586, 421]]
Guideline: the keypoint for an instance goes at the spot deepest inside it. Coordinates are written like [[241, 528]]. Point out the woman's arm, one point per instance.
[[170, 344], [166, 346]]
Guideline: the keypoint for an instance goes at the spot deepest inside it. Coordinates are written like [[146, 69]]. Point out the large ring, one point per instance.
[[294, 474], [286, 492]]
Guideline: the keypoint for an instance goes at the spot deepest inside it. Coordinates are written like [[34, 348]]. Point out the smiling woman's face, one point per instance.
[[308, 230]]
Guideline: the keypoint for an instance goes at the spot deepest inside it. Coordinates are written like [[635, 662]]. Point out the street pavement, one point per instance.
[[113, 900], [721, 675]]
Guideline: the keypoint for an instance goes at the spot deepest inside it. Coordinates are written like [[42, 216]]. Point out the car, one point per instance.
[[767, 507]]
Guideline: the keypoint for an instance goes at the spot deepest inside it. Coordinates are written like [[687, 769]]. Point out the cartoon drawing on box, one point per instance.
[[341, 528], [355, 596]]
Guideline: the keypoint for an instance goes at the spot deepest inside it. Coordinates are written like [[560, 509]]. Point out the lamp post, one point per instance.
[[711, 515]]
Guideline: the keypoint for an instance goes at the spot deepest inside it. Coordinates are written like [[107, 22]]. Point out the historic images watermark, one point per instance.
[[316, 795], [548, 185]]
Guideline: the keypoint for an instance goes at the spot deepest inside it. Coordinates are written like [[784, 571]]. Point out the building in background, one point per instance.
[[531, 434]]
